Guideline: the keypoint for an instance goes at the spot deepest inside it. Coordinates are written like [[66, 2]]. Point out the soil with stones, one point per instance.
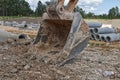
[[94, 63]]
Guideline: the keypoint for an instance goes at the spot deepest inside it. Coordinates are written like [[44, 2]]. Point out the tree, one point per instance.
[[90, 15], [114, 12], [104, 16], [14, 8], [40, 9], [117, 12], [24, 8]]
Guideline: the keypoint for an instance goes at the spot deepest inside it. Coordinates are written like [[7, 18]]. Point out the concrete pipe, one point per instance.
[[109, 37], [103, 38], [2, 23], [112, 37], [14, 23], [104, 30], [93, 36], [98, 36], [22, 36], [106, 25], [91, 31], [22, 25], [8, 23], [4, 36], [32, 25], [94, 24]]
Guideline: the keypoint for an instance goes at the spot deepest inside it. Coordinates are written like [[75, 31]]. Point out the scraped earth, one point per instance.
[[94, 63]]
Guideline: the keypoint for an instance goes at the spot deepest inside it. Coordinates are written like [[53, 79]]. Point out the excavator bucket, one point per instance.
[[62, 32]]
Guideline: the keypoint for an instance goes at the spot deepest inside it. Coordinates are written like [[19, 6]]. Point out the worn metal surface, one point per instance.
[[65, 30]]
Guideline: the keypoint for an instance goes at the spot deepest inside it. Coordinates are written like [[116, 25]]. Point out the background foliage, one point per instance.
[[22, 8]]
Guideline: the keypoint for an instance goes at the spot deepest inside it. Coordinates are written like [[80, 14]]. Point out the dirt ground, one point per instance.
[[94, 63], [35, 20]]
